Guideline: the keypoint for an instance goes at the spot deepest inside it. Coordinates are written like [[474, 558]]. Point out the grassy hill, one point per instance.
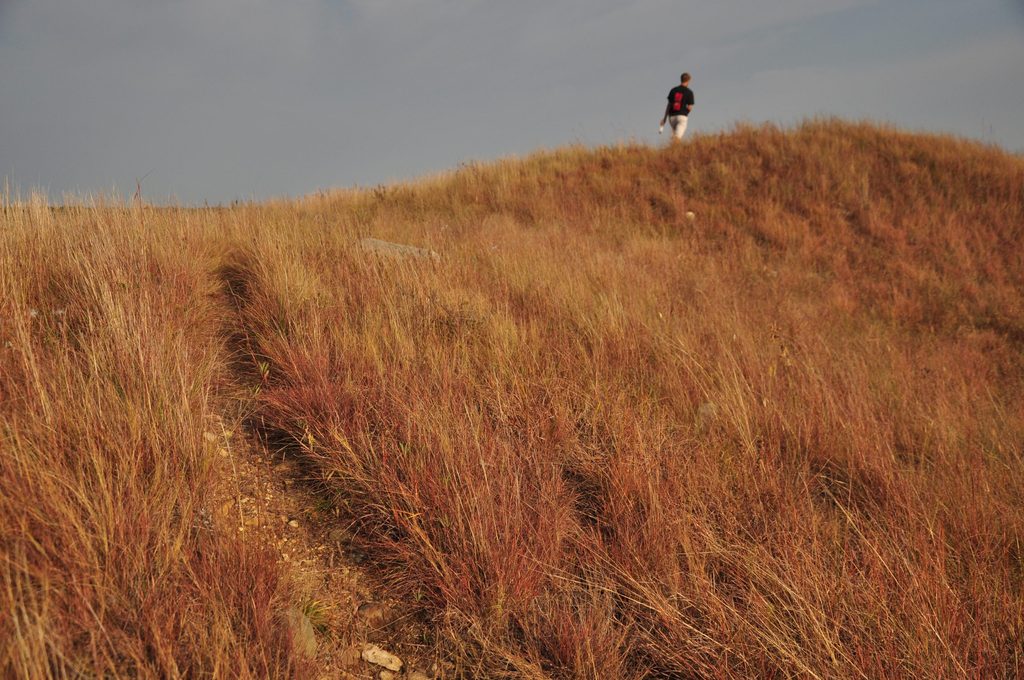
[[750, 406]]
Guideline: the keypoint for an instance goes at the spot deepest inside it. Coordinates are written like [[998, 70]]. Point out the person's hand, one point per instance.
[[661, 128]]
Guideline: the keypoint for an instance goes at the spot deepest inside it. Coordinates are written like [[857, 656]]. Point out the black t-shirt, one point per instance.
[[678, 99]]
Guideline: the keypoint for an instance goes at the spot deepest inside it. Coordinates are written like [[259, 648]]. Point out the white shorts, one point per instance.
[[678, 124]]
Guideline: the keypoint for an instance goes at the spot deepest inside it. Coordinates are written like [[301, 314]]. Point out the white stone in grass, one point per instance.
[[378, 657]]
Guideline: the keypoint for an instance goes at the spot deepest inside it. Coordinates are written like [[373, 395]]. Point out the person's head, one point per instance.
[[685, 78]]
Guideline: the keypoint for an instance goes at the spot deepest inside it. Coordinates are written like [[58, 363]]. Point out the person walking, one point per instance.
[[680, 103]]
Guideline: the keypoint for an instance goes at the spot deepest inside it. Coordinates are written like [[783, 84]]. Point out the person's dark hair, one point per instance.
[[685, 78]]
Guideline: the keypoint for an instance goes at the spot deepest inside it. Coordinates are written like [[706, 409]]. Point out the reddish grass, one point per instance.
[[110, 351], [514, 431]]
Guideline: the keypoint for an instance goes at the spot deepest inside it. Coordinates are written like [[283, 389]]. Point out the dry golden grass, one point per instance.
[[110, 354], [596, 439]]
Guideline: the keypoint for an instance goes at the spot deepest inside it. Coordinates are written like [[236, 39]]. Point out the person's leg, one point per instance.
[[679, 126]]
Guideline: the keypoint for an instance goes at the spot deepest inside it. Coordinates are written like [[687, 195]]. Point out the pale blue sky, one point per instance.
[[213, 100]]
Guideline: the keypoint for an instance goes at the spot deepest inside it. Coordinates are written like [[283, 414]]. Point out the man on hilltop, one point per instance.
[[680, 103]]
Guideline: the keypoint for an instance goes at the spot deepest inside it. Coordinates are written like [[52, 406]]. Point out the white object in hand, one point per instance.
[[661, 128]]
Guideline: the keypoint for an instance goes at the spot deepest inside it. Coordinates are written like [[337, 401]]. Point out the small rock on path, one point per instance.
[[378, 657]]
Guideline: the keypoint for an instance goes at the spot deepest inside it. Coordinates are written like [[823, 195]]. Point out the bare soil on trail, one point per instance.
[[267, 498]]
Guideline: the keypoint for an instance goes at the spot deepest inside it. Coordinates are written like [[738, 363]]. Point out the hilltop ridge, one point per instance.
[[853, 201]]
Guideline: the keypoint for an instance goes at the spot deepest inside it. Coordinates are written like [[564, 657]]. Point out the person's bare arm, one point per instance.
[[668, 107]]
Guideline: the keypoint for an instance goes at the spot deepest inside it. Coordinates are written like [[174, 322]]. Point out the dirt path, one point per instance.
[[269, 496]]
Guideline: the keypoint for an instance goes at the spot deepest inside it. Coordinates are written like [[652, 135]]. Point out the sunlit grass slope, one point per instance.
[[110, 352], [596, 438]]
